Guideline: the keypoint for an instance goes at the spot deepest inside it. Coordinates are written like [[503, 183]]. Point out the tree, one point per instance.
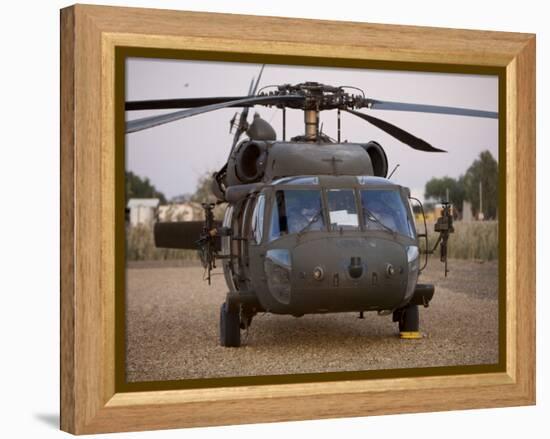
[[137, 187], [484, 170], [437, 189], [203, 193]]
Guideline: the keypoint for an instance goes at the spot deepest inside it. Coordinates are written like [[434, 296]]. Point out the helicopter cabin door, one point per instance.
[[239, 214]]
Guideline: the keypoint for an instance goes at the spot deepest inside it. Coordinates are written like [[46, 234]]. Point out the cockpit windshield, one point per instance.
[[294, 211], [342, 209], [299, 211], [384, 209]]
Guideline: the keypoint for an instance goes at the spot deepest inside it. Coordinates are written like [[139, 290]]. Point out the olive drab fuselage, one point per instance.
[[357, 265]]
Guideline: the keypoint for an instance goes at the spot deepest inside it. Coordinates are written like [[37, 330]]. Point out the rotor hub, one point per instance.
[[317, 96]]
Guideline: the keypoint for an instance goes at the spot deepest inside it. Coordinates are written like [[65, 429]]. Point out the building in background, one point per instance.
[[188, 211], [142, 211]]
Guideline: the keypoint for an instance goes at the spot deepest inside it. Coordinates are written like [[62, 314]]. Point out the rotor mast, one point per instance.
[[311, 120]]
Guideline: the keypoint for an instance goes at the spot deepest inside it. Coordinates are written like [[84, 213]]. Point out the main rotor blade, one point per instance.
[[420, 108], [150, 122], [400, 134], [255, 89], [242, 119], [166, 104], [244, 114]]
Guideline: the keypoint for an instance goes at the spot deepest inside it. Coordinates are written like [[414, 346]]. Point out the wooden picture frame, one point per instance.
[[90, 36]]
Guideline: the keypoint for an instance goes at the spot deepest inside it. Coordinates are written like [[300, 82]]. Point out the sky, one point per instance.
[[174, 156]]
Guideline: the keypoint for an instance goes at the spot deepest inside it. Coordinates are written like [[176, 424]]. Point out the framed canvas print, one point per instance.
[[273, 219]]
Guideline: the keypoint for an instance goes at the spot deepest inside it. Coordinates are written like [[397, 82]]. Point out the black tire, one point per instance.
[[409, 319], [230, 331]]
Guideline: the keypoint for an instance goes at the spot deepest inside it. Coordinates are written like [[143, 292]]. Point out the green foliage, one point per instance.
[[484, 170], [466, 187], [203, 193], [437, 188], [136, 187]]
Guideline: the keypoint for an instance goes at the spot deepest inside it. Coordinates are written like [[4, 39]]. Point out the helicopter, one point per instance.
[[312, 225]]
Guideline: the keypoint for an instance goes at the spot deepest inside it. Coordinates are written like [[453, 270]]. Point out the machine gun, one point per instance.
[[444, 226], [207, 241]]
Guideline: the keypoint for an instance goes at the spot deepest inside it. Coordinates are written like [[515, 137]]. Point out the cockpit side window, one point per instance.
[[383, 208], [278, 217], [295, 210], [258, 219]]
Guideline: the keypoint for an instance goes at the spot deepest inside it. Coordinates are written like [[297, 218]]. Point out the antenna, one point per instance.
[[284, 124], [394, 169], [339, 125]]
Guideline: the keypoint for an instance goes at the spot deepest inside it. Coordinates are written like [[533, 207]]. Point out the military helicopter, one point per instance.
[[312, 224]]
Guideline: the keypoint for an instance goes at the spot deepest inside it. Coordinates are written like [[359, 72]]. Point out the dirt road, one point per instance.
[[172, 322]]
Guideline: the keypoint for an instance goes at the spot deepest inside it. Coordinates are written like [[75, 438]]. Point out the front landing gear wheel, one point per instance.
[[230, 326], [408, 319]]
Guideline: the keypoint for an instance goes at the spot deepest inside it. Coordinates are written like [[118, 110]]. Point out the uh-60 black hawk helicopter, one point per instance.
[[312, 225]]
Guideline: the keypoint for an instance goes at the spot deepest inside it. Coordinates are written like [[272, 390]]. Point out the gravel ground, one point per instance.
[[172, 322]]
